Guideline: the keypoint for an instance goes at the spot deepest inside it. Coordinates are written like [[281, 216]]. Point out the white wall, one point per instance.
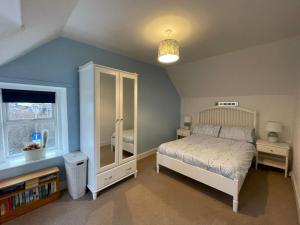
[[262, 70], [261, 78], [296, 146], [268, 107]]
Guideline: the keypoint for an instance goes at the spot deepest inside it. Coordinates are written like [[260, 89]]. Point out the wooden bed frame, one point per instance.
[[225, 116]]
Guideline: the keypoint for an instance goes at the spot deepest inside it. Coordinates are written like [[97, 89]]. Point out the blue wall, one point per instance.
[[56, 64]]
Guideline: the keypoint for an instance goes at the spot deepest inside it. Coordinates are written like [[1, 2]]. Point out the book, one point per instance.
[[2, 209], [46, 178], [12, 188], [26, 196]]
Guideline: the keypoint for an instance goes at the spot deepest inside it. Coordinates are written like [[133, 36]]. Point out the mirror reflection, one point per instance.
[[107, 119], [128, 118]]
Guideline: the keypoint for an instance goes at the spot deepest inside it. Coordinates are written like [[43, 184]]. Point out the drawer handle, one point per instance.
[[108, 178], [129, 168]]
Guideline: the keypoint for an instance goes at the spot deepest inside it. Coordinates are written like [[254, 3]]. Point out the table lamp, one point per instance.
[[273, 129], [187, 122]]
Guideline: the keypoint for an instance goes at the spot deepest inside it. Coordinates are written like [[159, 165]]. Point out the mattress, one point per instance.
[[128, 136], [229, 158]]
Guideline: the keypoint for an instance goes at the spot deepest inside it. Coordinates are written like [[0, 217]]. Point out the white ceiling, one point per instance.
[[133, 28], [10, 16], [43, 21]]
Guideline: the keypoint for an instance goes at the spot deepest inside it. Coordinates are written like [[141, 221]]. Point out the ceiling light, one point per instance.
[[168, 50]]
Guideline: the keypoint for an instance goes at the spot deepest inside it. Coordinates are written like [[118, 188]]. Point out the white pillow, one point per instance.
[[206, 129], [238, 133]]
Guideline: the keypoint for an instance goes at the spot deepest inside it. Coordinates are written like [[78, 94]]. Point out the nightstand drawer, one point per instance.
[[179, 132], [272, 150], [183, 132]]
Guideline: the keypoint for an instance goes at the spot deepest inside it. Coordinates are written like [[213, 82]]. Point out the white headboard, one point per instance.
[[228, 116]]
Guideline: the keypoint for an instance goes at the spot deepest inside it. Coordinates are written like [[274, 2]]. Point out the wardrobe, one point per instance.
[[108, 124]]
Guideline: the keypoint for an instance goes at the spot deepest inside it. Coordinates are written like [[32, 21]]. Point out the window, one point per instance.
[[21, 120], [27, 110]]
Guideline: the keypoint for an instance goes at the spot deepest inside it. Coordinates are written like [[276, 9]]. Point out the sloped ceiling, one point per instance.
[[269, 69], [43, 21], [134, 28], [10, 16]]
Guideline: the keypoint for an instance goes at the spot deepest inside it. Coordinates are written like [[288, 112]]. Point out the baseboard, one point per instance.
[[105, 142], [146, 153], [296, 195]]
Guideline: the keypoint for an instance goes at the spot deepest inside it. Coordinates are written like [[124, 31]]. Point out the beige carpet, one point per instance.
[[168, 198]]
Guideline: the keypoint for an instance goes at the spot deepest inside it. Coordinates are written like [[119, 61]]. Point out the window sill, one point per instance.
[[21, 161]]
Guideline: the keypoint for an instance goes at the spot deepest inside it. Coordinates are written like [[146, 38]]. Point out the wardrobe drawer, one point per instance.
[[127, 168], [108, 177]]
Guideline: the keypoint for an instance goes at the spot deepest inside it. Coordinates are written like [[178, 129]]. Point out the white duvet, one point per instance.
[[226, 157]]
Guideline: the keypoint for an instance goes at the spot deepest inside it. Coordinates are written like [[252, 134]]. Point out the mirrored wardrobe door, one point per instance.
[[108, 118], [127, 133]]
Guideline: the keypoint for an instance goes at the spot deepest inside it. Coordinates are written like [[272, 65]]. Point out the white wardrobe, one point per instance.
[[108, 124]]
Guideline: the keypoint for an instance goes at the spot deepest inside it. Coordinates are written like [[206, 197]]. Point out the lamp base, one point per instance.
[[187, 126], [273, 139]]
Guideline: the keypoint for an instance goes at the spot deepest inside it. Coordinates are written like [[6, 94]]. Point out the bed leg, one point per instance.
[[235, 204], [157, 162]]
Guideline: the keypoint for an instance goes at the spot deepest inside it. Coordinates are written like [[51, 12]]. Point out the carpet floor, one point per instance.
[[169, 198]]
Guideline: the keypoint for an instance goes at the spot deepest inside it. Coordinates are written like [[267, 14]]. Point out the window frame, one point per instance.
[[60, 117]]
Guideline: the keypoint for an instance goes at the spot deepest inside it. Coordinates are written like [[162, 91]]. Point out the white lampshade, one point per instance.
[[187, 119], [168, 51], [274, 127]]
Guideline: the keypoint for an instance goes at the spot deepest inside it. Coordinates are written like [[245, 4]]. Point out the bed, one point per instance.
[[128, 141], [219, 162]]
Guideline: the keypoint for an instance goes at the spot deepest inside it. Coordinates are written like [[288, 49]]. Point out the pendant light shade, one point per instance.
[[168, 51]]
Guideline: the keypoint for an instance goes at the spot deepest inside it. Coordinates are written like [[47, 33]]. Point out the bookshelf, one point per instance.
[[25, 193]]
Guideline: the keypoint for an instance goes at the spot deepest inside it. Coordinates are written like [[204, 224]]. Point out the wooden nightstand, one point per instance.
[[181, 133], [273, 154]]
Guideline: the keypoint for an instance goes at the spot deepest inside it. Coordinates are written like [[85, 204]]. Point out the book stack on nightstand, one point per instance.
[[273, 154], [181, 133]]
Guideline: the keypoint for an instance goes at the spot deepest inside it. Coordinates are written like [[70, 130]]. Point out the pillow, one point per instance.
[[238, 133], [211, 130]]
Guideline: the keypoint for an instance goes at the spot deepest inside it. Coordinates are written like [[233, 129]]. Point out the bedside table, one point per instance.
[[273, 154], [181, 133]]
